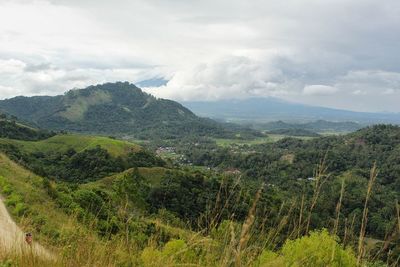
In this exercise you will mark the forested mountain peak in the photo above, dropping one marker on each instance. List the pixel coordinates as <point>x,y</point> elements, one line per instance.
<point>118,108</point>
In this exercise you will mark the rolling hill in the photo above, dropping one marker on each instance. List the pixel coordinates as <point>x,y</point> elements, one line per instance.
<point>120,109</point>
<point>147,214</point>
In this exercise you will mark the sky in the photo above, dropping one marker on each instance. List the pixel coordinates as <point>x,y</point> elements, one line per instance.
<point>334,53</point>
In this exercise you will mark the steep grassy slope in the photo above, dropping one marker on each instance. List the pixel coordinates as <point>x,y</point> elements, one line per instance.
<point>25,196</point>
<point>58,221</point>
<point>112,108</point>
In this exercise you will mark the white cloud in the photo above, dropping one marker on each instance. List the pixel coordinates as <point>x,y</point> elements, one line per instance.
<point>227,77</point>
<point>318,89</point>
<point>359,92</point>
<point>389,91</point>
<point>207,49</point>
<point>11,66</point>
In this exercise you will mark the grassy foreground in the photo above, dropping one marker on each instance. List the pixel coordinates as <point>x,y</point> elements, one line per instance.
<point>167,243</point>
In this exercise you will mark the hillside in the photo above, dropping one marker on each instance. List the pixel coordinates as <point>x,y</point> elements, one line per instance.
<point>78,158</point>
<point>11,128</point>
<point>272,109</point>
<point>147,213</point>
<point>120,109</point>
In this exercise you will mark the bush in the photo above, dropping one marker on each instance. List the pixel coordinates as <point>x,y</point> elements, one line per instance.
<point>318,249</point>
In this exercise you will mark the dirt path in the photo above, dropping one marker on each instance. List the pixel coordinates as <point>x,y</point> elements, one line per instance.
<point>12,238</point>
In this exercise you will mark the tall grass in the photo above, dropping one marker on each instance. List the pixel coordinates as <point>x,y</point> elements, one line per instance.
<point>372,178</point>
<point>218,243</point>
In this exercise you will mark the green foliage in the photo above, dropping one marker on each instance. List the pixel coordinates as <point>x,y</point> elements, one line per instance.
<point>314,126</point>
<point>318,249</point>
<point>294,132</point>
<point>117,109</point>
<point>14,130</point>
<point>132,187</point>
<point>86,165</point>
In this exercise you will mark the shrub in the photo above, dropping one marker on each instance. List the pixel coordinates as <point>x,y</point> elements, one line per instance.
<point>318,249</point>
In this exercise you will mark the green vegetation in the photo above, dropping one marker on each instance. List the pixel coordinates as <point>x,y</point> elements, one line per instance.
<point>270,138</point>
<point>98,201</point>
<point>10,128</point>
<point>294,132</point>
<point>78,158</point>
<point>63,142</point>
<point>119,109</point>
<point>319,126</point>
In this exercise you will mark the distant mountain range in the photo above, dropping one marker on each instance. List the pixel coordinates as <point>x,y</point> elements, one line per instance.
<point>114,109</point>
<point>272,109</point>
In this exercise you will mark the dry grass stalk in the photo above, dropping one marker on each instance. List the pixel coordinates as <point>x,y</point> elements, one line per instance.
<point>245,233</point>
<point>321,177</point>
<point>219,208</point>
<point>300,216</point>
<point>398,215</point>
<point>338,207</point>
<point>372,178</point>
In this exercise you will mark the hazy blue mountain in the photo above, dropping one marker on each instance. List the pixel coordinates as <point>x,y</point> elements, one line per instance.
<point>272,109</point>
<point>153,82</point>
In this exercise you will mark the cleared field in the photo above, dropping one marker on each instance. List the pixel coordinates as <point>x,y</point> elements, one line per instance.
<point>271,138</point>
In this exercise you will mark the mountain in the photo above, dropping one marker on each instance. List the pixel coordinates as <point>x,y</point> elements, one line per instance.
<point>120,109</point>
<point>272,109</point>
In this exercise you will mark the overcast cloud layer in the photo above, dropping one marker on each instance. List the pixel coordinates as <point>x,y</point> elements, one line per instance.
<point>335,53</point>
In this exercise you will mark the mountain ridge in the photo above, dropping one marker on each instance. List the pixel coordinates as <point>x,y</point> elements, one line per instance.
<point>117,108</point>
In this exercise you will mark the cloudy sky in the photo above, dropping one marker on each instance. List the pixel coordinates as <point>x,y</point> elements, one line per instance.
<point>335,53</point>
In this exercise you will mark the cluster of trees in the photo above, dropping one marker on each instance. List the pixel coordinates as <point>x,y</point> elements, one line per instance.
<point>289,166</point>
<point>87,165</point>
<point>10,128</point>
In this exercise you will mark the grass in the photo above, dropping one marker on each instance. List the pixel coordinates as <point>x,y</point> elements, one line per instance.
<point>227,244</point>
<point>61,143</point>
<point>23,188</point>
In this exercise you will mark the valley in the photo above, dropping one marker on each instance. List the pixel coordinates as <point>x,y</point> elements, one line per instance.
<point>218,197</point>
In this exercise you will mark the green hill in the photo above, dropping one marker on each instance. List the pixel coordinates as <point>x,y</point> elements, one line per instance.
<point>113,108</point>
<point>62,143</point>
<point>11,128</point>
<point>77,157</point>
<point>144,213</point>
